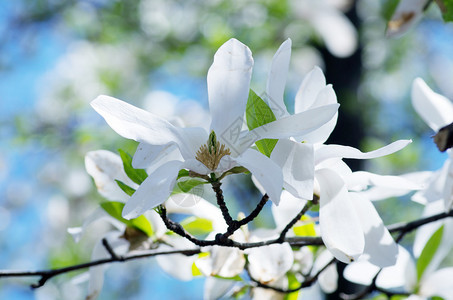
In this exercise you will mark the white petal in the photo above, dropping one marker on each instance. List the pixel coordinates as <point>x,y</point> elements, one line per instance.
<point>229,84</point>
<point>266,172</point>
<point>297,163</point>
<point>361,180</point>
<point>153,191</point>
<point>296,125</point>
<point>380,248</point>
<point>269,263</point>
<point>340,226</point>
<point>401,275</point>
<point>105,166</point>
<point>142,126</point>
<point>328,279</point>
<point>337,31</point>
<point>176,265</point>
<point>287,209</point>
<point>308,91</point>
<point>433,108</point>
<point>276,80</point>
<point>215,288</point>
<point>438,284</point>
<point>222,261</point>
<point>330,151</point>
<point>361,272</point>
<point>147,155</point>
<point>406,14</point>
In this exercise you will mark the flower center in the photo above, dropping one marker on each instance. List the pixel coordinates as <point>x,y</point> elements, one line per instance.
<point>212,152</point>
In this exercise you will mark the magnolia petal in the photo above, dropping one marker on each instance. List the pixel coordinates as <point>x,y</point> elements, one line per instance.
<point>406,14</point>
<point>331,151</point>
<point>447,192</point>
<point>228,84</point>
<point>361,180</point>
<point>435,109</point>
<point>276,80</point>
<point>297,163</point>
<point>361,272</point>
<point>267,264</point>
<point>215,288</point>
<point>328,279</point>
<point>438,284</point>
<point>295,125</point>
<point>308,91</point>
<point>176,265</point>
<point>380,248</point>
<point>105,166</point>
<point>266,172</point>
<point>137,124</point>
<point>153,191</point>
<point>222,261</point>
<point>287,209</point>
<point>326,96</point>
<point>401,275</point>
<point>340,226</point>
<point>338,33</point>
<point>147,155</point>
<point>97,215</point>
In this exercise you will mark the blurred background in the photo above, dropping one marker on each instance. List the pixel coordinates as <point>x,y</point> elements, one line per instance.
<point>57,56</point>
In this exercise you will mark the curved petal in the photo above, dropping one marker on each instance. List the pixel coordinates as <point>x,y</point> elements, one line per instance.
<point>287,209</point>
<point>328,279</point>
<point>331,151</point>
<point>297,163</point>
<point>137,124</point>
<point>361,272</point>
<point>215,288</point>
<point>308,91</point>
<point>380,248</point>
<point>147,155</point>
<point>176,265</point>
<point>325,96</point>
<point>433,108</point>
<point>340,226</point>
<point>276,80</point>
<point>296,125</point>
<point>222,261</point>
<point>438,284</point>
<point>267,264</point>
<point>105,166</point>
<point>360,180</point>
<point>266,172</point>
<point>228,84</point>
<point>153,191</point>
<point>401,275</point>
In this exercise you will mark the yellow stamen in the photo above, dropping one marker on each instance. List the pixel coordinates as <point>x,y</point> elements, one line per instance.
<point>212,152</point>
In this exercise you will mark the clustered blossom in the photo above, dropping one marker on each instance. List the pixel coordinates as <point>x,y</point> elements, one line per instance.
<point>297,170</point>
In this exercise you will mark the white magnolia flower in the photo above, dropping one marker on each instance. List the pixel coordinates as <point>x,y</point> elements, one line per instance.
<point>343,221</point>
<point>437,112</point>
<point>228,89</point>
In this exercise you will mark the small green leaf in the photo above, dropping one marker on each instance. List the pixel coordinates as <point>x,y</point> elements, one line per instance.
<point>183,173</point>
<point>257,114</point>
<point>127,189</point>
<point>447,9</point>
<point>197,226</point>
<point>307,229</point>
<point>429,251</point>
<point>114,209</point>
<point>136,175</point>
<point>195,270</point>
<point>186,186</point>
<point>292,284</point>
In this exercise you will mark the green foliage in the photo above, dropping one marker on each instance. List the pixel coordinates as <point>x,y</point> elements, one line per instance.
<point>136,175</point>
<point>183,173</point>
<point>197,226</point>
<point>388,8</point>
<point>258,113</point>
<point>127,189</point>
<point>292,284</point>
<point>447,10</point>
<point>307,229</point>
<point>114,209</point>
<point>185,186</point>
<point>428,252</point>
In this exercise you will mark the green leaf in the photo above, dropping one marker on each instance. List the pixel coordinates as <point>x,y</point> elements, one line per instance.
<point>447,9</point>
<point>186,186</point>
<point>183,173</point>
<point>388,9</point>
<point>292,284</point>
<point>429,251</point>
<point>307,229</point>
<point>136,175</point>
<point>195,270</point>
<point>127,189</point>
<point>197,226</point>
<point>114,209</point>
<point>257,114</point>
